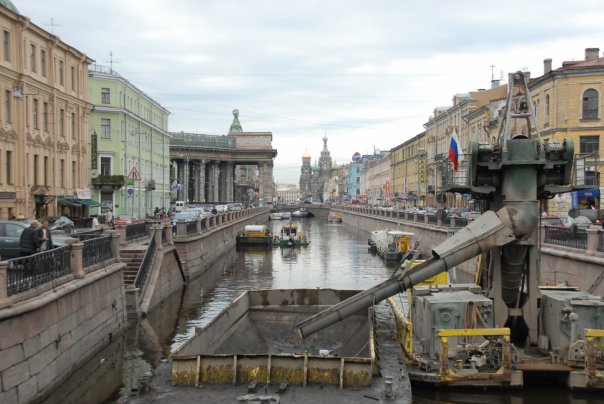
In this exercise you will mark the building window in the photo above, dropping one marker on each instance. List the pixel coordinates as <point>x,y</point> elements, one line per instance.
<point>590,104</point>
<point>45,117</point>
<point>105,165</point>
<point>73,126</point>
<point>547,109</point>
<point>43,62</point>
<point>105,128</point>
<point>9,165</point>
<point>62,173</point>
<point>45,170</point>
<point>7,112</point>
<point>61,73</point>
<point>105,96</point>
<point>6,46</point>
<point>74,180</point>
<point>32,57</point>
<point>73,78</point>
<point>35,113</point>
<point>62,122</point>
<point>589,145</point>
<point>36,169</point>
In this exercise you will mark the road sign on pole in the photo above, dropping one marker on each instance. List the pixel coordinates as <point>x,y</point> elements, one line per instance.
<point>134,174</point>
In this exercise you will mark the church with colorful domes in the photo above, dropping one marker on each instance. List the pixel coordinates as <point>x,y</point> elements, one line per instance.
<point>313,178</point>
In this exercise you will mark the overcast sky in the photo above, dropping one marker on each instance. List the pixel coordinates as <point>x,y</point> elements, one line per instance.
<point>367,74</point>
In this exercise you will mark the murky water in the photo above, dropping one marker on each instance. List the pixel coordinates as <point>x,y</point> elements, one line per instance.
<point>336,258</point>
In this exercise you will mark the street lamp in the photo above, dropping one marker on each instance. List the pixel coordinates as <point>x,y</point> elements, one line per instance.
<point>422,153</point>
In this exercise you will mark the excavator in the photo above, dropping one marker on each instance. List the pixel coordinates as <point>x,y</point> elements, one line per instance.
<point>521,327</point>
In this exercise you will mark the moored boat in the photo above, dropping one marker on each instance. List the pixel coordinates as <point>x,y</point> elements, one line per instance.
<point>291,236</point>
<point>286,215</point>
<point>391,245</point>
<point>335,218</point>
<point>276,216</point>
<point>302,212</point>
<point>255,235</point>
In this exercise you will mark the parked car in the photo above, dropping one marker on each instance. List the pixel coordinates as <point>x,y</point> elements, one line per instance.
<point>58,223</point>
<point>10,234</point>
<point>551,220</point>
<point>235,207</point>
<point>221,208</point>
<point>582,222</point>
<point>125,219</point>
<point>186,216</point>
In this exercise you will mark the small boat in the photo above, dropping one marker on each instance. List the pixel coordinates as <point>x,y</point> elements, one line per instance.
<point>391,245</point>
<point>275,216</point>
<point>290,236</point>
<point>255,235</point>
<point>286,215</point>
<point>334,219</point>
<point>302,212</point>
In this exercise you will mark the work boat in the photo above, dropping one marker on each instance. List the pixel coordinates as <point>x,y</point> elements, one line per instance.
<point>276,216</point>
<point>505,327</point>
<point>391,245</point>
<point>254,235</point>
<point>302,212</point>
<point>291,236</point>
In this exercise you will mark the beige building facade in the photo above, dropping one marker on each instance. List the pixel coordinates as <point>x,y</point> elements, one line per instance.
<point>43,120</point>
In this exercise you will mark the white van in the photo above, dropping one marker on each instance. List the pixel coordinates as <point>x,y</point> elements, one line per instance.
<point>179,206</point>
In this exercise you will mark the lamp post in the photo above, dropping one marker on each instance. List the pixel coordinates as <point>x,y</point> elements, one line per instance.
<point>421,157</point>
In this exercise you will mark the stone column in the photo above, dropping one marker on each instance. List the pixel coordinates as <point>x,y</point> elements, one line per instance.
<point>228,180</point>
<point>201,180</point>
<point>168,230</point>
<point>5,301</point>
<point>115,244</point>
<point>265,187</point>
<point>76,263</point>
<point>158,231</point>
<point>180,173</point>
<point>592,240</point>
<point>213,182</point>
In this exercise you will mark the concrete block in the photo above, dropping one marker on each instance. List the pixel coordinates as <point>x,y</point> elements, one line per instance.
<point>32,346</point>
<point>47,376</point>
<point>28,390</point>
<point>40,360</point>
<point>15,375</point>
<point>68,323</point>
<point>49,335</point>
<point>65,305</point>
<point>10,396</point>
<point>11,332</point>
<point>11,356</point>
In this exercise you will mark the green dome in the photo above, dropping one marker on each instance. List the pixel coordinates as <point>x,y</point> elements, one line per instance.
<point>9,4</point>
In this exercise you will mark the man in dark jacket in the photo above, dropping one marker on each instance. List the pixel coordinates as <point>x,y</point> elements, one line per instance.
<point>45,237</point>
<point>29,242</point>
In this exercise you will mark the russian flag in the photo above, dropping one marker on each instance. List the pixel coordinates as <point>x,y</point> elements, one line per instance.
<point>454,150</point>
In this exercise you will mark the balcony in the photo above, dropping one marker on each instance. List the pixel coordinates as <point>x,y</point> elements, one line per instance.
<point>150,185</point>
<point>109,182</point>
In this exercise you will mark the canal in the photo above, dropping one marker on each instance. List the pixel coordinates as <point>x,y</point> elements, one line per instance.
<point>336,258</point>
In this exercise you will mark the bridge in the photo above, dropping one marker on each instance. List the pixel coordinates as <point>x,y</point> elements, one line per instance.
<point>321,211</point>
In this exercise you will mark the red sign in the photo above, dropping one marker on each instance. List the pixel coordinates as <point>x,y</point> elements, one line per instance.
<point>388,188</point>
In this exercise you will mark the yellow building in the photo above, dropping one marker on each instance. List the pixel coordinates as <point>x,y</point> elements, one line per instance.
<point>409,165</point>
<point>569,102</point>
<point>43,120</point>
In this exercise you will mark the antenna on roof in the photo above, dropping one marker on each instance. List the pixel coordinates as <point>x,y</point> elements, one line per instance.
<point>492,72</point>
<point>53,25</point>
<point>111,61</point>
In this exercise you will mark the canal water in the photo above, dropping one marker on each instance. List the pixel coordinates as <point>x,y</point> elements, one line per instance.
<point>337,257</point>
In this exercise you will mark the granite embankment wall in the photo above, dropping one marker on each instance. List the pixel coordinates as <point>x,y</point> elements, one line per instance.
<point>44,339</point>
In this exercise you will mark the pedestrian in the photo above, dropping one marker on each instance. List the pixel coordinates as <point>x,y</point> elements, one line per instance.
<point>95,222</point>
<point>29,242</point>
<point>45,236</point>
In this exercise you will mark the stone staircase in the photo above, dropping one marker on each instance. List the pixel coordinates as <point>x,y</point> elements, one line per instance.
<point>133,257</point>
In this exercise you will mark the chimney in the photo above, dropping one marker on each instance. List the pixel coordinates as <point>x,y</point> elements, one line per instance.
<point>592,53</point>
<point>547,65</point>
<point>494,83</point>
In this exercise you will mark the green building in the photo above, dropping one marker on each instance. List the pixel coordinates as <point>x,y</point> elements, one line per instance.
<point>129,147</point>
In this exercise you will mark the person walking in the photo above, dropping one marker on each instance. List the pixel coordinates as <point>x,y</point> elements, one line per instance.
<point>95,222</point>
<point>45,236</point>
<point>29,243</point>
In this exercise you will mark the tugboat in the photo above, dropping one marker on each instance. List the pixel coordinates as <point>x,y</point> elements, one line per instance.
<point>290,236</point>
<point>335,218</point>
<point>391,245</point>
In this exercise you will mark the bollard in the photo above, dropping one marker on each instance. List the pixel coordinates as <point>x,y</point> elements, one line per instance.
<point>388,387</point>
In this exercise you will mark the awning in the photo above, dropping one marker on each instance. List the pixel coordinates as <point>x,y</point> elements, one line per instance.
<point>591,193</point>
<point>88,202</point>
<point>61,200</point>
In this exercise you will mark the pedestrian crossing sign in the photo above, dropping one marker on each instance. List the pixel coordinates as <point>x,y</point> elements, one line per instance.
<point>134,175</point>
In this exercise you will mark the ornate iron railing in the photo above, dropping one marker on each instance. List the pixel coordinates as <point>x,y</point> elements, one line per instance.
<point>567,237</point>
<point>143,271</point>
<point>192,227</point>
<point>28,272</point>
<point>461,221</point>
<point>137,230</point>
<point>96,250</point>
<point>432,219</point>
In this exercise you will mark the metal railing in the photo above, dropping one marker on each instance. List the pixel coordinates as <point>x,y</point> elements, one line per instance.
<point>192,227</point>
<point>137,230</point>
<point>28,272</point>
<point>566,236</point>
<point>96,250</point>
<point>461,221</point>
<point>143,271</point>
<point>87,235</point>
<point>432,219</point>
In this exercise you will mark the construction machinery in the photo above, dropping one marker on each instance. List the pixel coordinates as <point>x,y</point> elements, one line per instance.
<point>493,335</point>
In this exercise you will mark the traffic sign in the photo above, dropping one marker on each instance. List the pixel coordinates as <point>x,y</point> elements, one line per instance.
<point>134,174</point>
<point>130,192</point>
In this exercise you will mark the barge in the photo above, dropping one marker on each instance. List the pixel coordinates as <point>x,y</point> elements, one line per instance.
<point>254,235</point>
